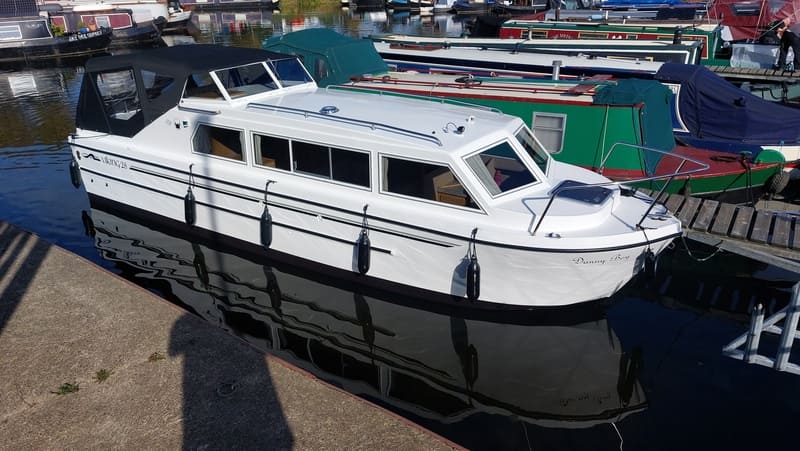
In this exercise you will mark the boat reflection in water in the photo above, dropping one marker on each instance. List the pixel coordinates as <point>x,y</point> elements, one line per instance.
<point>435,367</point>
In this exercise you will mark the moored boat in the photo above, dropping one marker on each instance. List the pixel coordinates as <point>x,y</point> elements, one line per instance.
<point>711,112</point>
<point>446,200</point>
<point>489,62</point>
<point>655,50</point>
<point>27,37</point>
<point>715,50</point>
<point>126,32</point>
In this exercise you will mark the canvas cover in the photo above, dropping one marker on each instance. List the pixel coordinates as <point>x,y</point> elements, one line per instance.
<point>656,111</point>
<point>175,63</point>
<point>330,57</point>
<point>749,19</point>
<point>714,109</point>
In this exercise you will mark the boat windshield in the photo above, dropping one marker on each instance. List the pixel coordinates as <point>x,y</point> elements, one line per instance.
<point>500,169</point>
<point>252,79</point>
<point>534,148</point>
<point>246,80</point>
<point>290,72</point>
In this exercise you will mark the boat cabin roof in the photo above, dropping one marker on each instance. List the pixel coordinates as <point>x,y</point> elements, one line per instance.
<point>114,87</point>
<point>183,60</point>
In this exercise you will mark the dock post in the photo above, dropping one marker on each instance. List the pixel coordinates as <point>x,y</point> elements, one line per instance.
<point>754,335</point>
<point>789,332</point>
<point>745,347</point>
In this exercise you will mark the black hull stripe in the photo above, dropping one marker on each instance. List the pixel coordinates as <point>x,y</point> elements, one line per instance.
<point>389,221</point>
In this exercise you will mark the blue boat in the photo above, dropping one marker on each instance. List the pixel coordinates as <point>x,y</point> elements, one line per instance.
<point>712,113</point>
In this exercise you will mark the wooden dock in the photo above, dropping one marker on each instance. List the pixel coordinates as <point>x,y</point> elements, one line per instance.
<point>766,235</point>
<point>740,74</point>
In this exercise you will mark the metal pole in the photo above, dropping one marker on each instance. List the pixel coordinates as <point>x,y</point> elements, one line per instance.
<point>789,329</point>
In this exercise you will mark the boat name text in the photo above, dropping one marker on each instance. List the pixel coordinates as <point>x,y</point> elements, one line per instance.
<point>600,261</point>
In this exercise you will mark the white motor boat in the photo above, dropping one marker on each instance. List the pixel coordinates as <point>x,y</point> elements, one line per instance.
<point>406,194</point>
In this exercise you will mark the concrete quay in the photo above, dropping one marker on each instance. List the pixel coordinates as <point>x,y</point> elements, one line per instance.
<point>89,361</point>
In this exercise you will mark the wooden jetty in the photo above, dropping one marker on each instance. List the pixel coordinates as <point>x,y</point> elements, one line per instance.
<point>766,235</point>
<point>770,236</point>
<point>739,74</point>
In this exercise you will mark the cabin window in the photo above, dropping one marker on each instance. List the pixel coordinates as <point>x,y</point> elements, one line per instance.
<point>156,84</point>
<point>220,142</point>
<point>290,72</point>
<point>35,29</point>
<point>9,32</point>
<point>246,80</point>
<point>320,69</point>
<point>119,95</point>
<point>549,129</point>
<point>100,21</point>
<point>428,181</point>
<point>271,152</point>
<point>533,148</point>
<point>201,85</point>
<point>500,169</point>
<point>346,166</point>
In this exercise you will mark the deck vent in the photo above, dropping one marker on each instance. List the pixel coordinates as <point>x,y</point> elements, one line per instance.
<point>330,109</point>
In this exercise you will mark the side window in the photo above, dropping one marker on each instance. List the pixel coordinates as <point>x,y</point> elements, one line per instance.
<point>290,72</point>
<point>311,159</point>
<point>201,85</point>
<point>342,165</point>
<point>221,142</point>
<point>424,181</point>
<point>156,84</point>
<point>500,169</point>
<point>549,129</point>
<point>118,93</point>
<point>271,152</point>
<point>350,167</point>
<point>8,32</point>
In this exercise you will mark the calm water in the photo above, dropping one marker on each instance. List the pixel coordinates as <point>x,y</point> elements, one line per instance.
<point>641,371</point>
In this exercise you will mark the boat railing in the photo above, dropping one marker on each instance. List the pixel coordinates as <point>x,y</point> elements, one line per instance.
<point>329,113</point>
<point>678,172</point>
<point>431,98</point>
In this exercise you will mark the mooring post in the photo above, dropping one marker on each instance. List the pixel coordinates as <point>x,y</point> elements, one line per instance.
<point>754,335</point>
<point>789,329</point>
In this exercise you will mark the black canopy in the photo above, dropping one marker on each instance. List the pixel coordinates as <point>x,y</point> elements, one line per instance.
<point>174,64</point>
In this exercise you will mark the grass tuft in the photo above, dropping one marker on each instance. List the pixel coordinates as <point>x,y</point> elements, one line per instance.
<point>67,388</point>
<point>102,375</point>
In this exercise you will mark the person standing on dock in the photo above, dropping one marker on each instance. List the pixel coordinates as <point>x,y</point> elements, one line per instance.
<point>790,37</point>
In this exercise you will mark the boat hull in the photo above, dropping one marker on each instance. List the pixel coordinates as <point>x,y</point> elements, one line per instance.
<point>72,46</point>
<point>403,256</point>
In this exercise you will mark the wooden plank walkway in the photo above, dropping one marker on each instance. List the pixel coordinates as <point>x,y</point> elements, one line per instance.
<point>755,74</point>
<point>771,236</point>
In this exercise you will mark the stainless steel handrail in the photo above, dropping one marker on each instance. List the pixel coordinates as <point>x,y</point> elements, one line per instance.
<point>348,120</point>
<point>678,172</point>
<point>404,95</point>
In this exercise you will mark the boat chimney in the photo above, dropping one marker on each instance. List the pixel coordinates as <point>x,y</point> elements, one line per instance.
<point>556,69</point>
<point>676,38</point>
